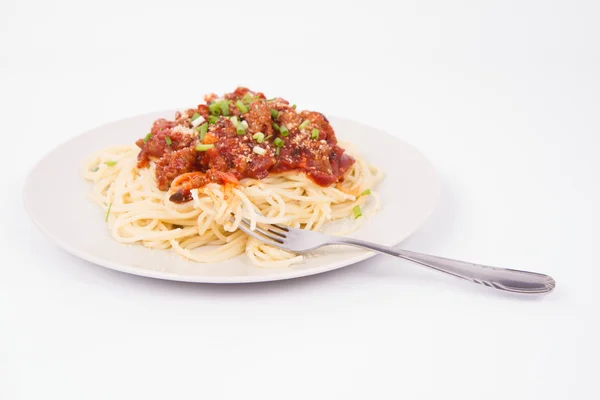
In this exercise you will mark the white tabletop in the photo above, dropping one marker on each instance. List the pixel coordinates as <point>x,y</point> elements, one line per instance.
<point>502,96</point>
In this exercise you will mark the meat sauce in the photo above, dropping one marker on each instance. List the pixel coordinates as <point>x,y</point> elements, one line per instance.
<point>241,135</point>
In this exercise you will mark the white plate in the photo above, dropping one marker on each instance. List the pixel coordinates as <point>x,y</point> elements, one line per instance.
<point>56,199</point>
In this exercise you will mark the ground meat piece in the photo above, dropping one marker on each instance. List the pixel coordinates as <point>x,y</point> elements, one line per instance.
<point>210,97</point>
<point>154,145</point>
<point>185,118</point>
<point>223,128</point>
<point>230,155</point>
<point>260,165</point>
<point>161,125</point>
<point>174,164</point>
<point>279,104</point>
<point>238,94</point>
<point>339,161</point>
<point>203,111</point>
<point>318,121</point>
<point>259,118</point>
<point>157,145</point>
<point>180,139</point>
<point>290,118</point>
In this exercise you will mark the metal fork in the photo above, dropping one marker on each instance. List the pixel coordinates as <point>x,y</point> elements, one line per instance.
<point>300,241</point>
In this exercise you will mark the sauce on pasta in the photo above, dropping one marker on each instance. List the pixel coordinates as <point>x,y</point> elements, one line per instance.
<point>241,135</point>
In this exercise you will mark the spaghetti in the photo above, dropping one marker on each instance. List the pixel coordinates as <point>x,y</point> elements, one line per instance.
<point>198,211</point>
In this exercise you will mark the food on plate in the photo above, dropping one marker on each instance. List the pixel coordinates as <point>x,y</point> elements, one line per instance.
<point>187,183</point>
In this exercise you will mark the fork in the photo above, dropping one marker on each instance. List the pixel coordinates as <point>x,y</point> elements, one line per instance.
<point>300,241</point>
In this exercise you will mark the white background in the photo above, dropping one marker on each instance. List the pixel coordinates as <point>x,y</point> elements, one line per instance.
<point>502,96</point>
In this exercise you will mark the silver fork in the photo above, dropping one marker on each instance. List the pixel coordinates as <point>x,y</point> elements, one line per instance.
<point>300,241</point>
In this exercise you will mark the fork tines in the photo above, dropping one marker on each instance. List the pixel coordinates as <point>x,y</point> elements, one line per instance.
<point>265,232</point>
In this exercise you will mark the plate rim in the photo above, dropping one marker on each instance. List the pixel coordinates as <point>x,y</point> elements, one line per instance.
<point>216,279</point>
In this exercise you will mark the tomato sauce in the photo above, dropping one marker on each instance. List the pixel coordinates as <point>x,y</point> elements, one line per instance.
<point>245,136</point>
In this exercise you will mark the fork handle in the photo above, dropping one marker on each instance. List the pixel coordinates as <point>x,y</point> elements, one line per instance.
<point>509,280</point>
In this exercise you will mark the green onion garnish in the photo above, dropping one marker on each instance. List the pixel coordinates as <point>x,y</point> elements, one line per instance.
<point>214,108</point>
<point>259,137</point>
<point>294,106</point>
<point>247,98</point>
<point>148,136</point>
<point>212,119</point>
<point>111,163</point>
<point>366,192</point>
<point>225,107</point>
<point>204,147</point>
<point>276,127</point>
<point>95,169</point>
<point>195,116</point>
<point>304,124</point>
<point>274,113</point>
<point>278,142</point>
<point>108,212</point>
<point>168,140</point>
<point>314,134</point>
<point>203,129</point>
<point>240,126</point>
<point>241,106</point>
<point>284,130</point>
<point>356,211</point>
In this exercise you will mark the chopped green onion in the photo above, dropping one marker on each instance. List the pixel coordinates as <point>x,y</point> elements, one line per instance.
<point>240,126</point>
<point>195,116</point>
<point>356,211</point>
<point>241,106</point>
<point>214,108</point>
<point>225,107</point>
<point>366,192</point>
<point>168,140</point>
<point>259,150</point>
<point>204,147</point>
<point>203,129</point>
<point>111,163</point>
<point>274,113</point>
<point>95,169</point>
<point>212,119</point>
<point>247,98</point>
<point>148,136</point>
<point>304,124</point>
<point>294,106</point>
<point>108,212</point>
<point>314,134</point>
<point>278,143</point>
<point>284,130</point>
<point>259,137</point>
<point>276,127</point>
